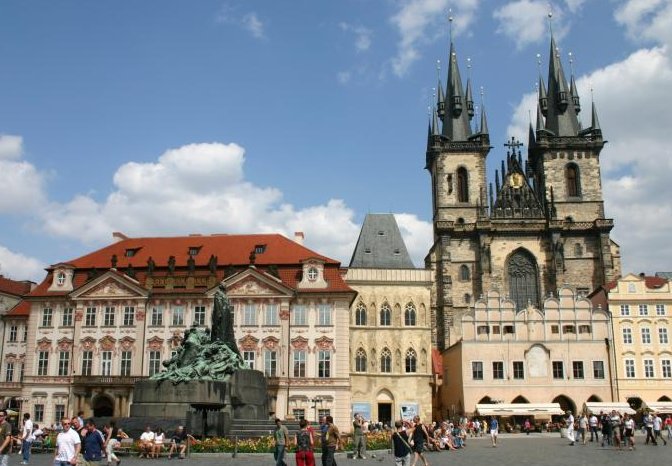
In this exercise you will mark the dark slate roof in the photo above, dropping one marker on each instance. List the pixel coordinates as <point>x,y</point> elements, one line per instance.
<point>667,275</point>
<point>380,245</point>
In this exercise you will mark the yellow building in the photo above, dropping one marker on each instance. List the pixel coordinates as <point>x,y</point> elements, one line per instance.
<point>640,307</point>
<point>390,327</point>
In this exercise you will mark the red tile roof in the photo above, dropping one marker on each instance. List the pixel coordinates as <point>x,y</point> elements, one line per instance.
<point>14,287</point>
<point>232,252</point>
<point>21,309</point>
<point>651,282</point>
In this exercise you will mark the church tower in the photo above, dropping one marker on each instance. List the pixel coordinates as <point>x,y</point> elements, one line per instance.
<point>539,227</point>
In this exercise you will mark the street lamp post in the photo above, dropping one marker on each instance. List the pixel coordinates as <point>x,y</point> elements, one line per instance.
<point>315,401</point>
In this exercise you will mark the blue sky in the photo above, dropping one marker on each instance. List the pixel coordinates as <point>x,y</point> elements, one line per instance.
<point>177,117</point>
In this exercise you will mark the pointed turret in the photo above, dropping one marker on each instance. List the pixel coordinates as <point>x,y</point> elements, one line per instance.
<point>435,123</point>
<point>456,121</point>
<point>470,100</point>
<point>531,140</point>
<point>484,121</point>
<point>440,101</point>
<point>543,98</point>
<point>561,117</point>
<point>540,119</point>
<point>595,122</point>
<point>575,95</point>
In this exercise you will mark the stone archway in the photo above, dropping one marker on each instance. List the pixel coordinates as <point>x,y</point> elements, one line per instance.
<point>566,403</point>
<point>520,399</point>
<point>594,399</point>
<point>664,398</point>
<point>103,406</point>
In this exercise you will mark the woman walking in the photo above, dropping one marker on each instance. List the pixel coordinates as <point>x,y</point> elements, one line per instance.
<point>419,437</point>
<point>303,440</point>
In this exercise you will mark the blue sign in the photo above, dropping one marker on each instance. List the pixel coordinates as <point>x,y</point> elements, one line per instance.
<point>362,408</point>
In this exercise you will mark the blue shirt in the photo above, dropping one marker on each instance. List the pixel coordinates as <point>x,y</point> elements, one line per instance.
<point>92,444</point>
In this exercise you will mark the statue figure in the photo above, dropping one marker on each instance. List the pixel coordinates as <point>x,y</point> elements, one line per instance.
<point>203,355</point>
<point>150,266</point>
<point>212,264</point>
<point>171,264</point>
<point>114,261</point>
<point>191,264</point>
<point>222,320</point>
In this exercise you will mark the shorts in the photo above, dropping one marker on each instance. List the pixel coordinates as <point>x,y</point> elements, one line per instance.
<point>494,432</point>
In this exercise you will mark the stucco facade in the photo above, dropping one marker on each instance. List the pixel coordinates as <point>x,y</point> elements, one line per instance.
<point>554,354</point>
<point>640,307</point>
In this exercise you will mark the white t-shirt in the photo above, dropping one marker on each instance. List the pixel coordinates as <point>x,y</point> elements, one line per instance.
<point>657,423</point>
<point>28,431</point>
<point>65,442</point>
<point>158,438</point>
<point>593,421</point>
<point>147,437</point>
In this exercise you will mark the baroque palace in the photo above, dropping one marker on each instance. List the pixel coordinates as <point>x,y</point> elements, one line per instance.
<point>520,304</point>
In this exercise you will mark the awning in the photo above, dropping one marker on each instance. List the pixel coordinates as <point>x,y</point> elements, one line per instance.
<point>663,407</point>
<point>607,407</point>
<point>542,410</point>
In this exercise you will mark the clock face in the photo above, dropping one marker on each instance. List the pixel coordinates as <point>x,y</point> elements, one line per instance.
<point>516,180</point>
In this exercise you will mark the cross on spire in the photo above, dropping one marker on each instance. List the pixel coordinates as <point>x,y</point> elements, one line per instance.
<point>513,144</point>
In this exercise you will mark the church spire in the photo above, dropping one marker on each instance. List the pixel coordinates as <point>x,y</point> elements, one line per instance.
<point>456,120</point>
<point>441,99</point>
<point>595,123</point>
<point>561,118</point>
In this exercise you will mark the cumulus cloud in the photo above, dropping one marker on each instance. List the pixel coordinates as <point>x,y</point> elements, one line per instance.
<point>637,161</point>
<point>344,77</point>
<point>22,187</point>
<point>526,21</point>
<point>418,236</point>
<point>18,266</point>
<point>422,21</point>
<point>254,25</point>
<point>362,35</point>
<point>650,19</point>
<point>201,188</point>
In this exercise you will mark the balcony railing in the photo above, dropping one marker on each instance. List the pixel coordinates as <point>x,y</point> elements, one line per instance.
<point>106,380</point>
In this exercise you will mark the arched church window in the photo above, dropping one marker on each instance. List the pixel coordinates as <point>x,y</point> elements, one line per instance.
<point>573,180</point>
<point>411,361</point>
<point>465,274</point>
<point>360,314</point>
<point>409,315</point>
<point>360,360</point>
<point>386,360</point>
<point>523,279</point>
<point>462,185</point>
<point>385,315</point>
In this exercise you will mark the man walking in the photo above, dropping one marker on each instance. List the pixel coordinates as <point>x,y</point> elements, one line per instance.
<point>592,422</point>
<point>333,441</point>
<point>658,427</point>
<point>281,436</point>
<point>68,446</point>
<point>5,438</point>
<point>648,424</point>
<point>26,438</point>
<point>402,449</point>
<point>92,444</point>
<point>323,439</point>
<point>494,430</point>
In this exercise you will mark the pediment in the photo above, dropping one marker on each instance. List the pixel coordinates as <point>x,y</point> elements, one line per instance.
<point>110,285</point>
<point>252,283</point>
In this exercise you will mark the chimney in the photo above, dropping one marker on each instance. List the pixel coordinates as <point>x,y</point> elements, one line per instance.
<point>118,236</point>
<point>299,237</point>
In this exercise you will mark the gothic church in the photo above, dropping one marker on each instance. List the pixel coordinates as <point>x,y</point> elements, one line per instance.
<point>540,227</point>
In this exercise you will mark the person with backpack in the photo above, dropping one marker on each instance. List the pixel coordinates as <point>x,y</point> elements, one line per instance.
<point>303,440</point>
<point>401,447</point>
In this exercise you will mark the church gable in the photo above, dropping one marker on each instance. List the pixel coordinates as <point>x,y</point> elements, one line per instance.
<point>253,283</point>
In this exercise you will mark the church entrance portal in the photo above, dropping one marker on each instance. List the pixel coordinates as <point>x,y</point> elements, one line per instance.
<point>385,413</point>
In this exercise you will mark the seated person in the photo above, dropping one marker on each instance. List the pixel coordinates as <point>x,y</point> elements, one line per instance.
<point>159,437</point>
<point>178,442</point>
<point>146,443</point>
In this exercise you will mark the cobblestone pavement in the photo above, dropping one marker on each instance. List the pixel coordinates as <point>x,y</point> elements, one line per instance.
<point>516,450</point>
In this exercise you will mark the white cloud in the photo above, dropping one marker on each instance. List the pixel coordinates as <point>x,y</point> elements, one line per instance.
<point>423,21</point>
<point>250,21</point>
<point>418,236</point>
<point>11,147</point>
<point>362,36</point>
<point>647,19</point>
<point>344,77</point>
<point>526,21</point>
<point>18,266</point>
<point>574,5</point>
<point>22,187</point>
<point>635,118</point>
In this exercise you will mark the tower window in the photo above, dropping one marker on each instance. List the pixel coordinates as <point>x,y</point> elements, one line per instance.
<point>465,275</point>
<point>523,279</point>
<point>462,185</point>
<point>573,180</point>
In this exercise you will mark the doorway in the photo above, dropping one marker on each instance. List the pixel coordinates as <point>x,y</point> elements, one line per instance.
<point>385,413</point>
<point>103,406</point>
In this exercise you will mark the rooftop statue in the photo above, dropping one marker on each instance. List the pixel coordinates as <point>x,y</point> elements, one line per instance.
<point>206,355</point>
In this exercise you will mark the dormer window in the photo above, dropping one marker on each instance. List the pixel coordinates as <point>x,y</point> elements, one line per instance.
<point>260,249</point>
<point>131,252</point>
<point>60,278</point>
<point>194,250</point>
<point>381,233</point>
<point>313,274</point>
<point>367,251</point>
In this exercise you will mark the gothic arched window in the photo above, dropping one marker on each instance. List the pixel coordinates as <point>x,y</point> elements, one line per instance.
<point>360,314</point>
<point>523,279</point>
<point>360,360</point>
<point>462,185</point>
<point>573,180</point>
<point>385,315</point>
<point>409,315</point>
<point>411,361</point>
<point>385,360</point>
<point>465,275</point>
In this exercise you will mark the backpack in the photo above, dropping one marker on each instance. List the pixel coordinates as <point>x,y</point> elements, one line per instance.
<point>303,440</point>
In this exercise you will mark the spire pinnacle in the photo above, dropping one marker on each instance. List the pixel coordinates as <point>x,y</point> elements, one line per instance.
<point>470,99</point>
<point>573,92</point>
<point>440,99</point>
<point>561,114</point>
<point>484,118</point>
<point>455,121</point>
